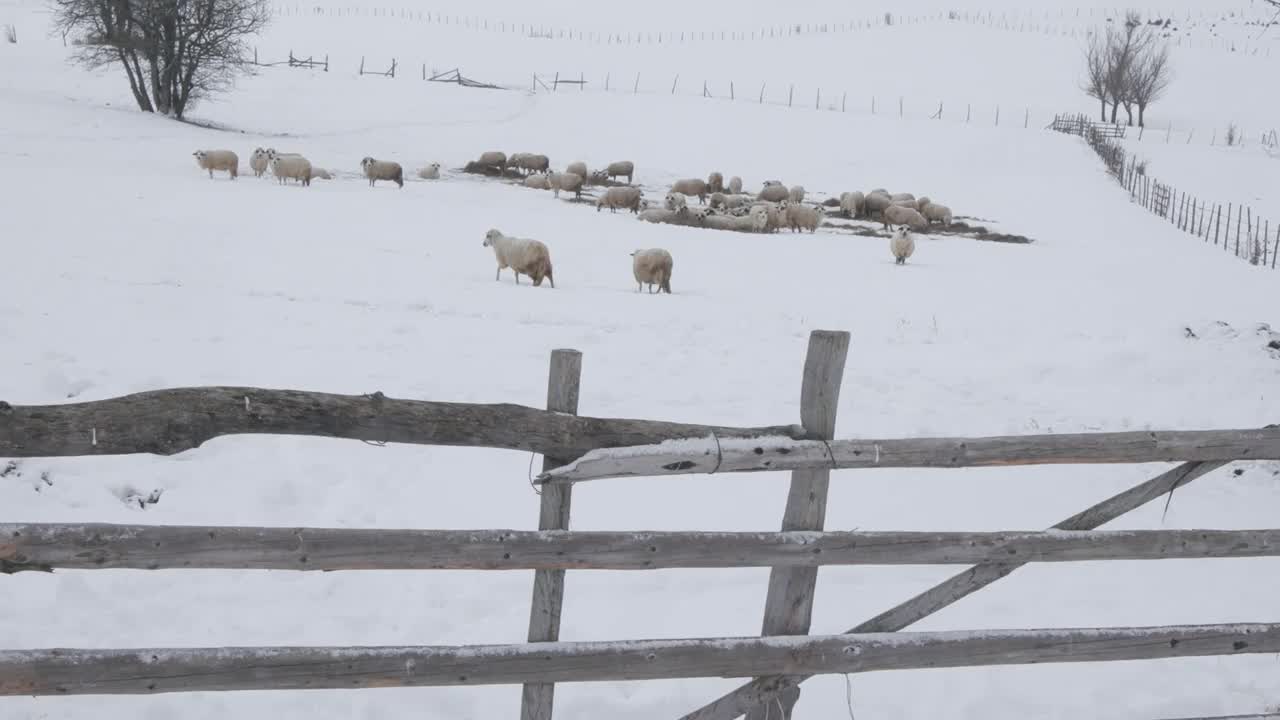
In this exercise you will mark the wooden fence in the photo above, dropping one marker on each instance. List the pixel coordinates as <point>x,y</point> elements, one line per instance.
<point>579,448</point>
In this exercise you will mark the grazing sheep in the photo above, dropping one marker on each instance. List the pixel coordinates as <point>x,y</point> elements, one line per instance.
<point>619,169</point>
<point>715,182</point>
<point>620,197</point>
<point>258,162</point>
<point>851,204</point>
<point>691,187</point>
<point>802,216</point>
<point>538,182</point>
<point>875,202</point>
<point>903,196</point>
<point>218,160</point>
<point>902,244</point>
<point>522,255</point>
<point>899,215</point>
<point>296,167</point>
<point>933,212</point>
<point>566,181</point>
<point>531,163</point>
<point>377,170</point>
<point>676,202</point>
<point>796,194</point>
<point>514,160</point>
<point>493,160</point>
<point>735,185</point>
<point>922,202</point>
<point>652,267</point>
<point>430,172</point>
<point>773,191</point>
<point>320,174</point>
<point>578,168</point>
<point>738,223</point>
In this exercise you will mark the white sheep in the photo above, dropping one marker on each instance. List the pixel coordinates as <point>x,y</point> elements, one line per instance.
<point>652,267</point>
<point>922,202</point>
<point>377,170</point>
<point>875,202</point>
<point>691,187</point>
<point>715,182</point>
<point>430,172</point>
<point>258,162</point>
<point>538,182</point>
<point>933,212</point>
<point>899,215</point>
<point>578,168</point>
<point>218,160</point>
<point>773,191</point>
<point>902,244</point>
<point>775,216</point>
<point>656,215</point>
<point>738,223</point>
<point>735,185</point>
<point>295,167</point>
<point>566,181</point>
<point>796,194</point>
<point>494,160</point>
<point>903,196</point>
<point>620,197</point>
<point>530,162</point>
<point>676,202</point>
<point>802,217</point>
<point>851,204</point>
<point>619,169</point>
<point>522,255</point>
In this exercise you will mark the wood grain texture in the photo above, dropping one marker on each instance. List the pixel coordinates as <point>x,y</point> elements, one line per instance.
<point>166,422</point>
<point>563,382</point>
<point>165,670</point>
<point>763,690</point>
<point>772,455</point>
<point>44,547</point>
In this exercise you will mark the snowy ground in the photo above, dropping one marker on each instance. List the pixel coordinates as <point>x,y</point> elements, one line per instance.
<point>131,270</point>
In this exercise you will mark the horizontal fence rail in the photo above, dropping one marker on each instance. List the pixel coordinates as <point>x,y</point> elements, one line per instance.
<point>713,455</point>
<point>166,422</point>
<point>149,671</point>
<point>46,547</point>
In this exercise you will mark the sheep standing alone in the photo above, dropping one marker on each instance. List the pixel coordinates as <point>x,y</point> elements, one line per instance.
<point>566,181</point>
<point>774,192</point>
<point>933,212</point>
<point>430,172</point>
<point>652,267</point>
<point>735,185</point>
<point>377,170</point>
<point>218,160</point>
<point>715,182</point>
<point>258,162</point>
<point>691,187</point>
<point>902,245</point>
<point>796,194</point>
<point>296,167</point>
<point>522,255</point>
<point>900,215</point>
<point>620,197</point>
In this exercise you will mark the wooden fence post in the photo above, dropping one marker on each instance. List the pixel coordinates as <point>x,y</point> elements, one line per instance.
<point>548,585</point>
<point>1276,251</point>
<point>789,605</point>
<point>636,88</point>
<point>791,95</point>
<point>673,83</point>
<point>1217,223</point>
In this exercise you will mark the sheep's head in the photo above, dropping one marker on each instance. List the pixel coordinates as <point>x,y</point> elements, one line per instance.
<point>491,237</point>
<point>200,155</point>
<point>434,166</point>
<point>366,162</point>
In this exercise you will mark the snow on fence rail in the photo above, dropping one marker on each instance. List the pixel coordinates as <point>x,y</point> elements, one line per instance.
<point>171,421</point>
<point>1253,239</point>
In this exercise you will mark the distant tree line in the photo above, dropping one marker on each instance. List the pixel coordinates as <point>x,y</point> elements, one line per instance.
<point>1127,67</point>
<point>172,51</point>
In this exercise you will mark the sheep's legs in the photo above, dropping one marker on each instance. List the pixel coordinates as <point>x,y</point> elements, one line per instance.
<point>498,275</point>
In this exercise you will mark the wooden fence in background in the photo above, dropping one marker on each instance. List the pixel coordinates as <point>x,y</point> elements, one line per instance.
<point>579,448</point>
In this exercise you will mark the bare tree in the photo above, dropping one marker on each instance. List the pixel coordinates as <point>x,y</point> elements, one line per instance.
<point>172,51</point>
<point>1095,73</point>
<point>1122,46</point>
<point>1149,77</point>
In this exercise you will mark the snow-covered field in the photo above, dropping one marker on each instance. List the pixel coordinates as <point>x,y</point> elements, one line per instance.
<point>128,269</point>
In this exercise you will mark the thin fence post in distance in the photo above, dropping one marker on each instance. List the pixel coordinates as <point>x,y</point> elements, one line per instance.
<point>791,94</point>
<point>636,88</point>
<point>673,83</point>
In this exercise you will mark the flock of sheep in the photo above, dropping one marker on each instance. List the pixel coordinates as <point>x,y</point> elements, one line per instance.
<point>726,207</point>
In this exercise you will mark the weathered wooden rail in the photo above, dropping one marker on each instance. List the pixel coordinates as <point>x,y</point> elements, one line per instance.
<point>581,448</point>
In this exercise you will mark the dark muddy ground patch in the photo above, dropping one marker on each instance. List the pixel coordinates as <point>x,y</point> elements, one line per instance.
<point>962,227</point>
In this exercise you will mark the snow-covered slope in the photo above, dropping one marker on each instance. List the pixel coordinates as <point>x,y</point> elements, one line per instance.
<point>129,269</point>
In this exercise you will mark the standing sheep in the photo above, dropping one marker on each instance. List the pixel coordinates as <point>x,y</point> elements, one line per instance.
<point>652,267</point>
<point>494,160</point>
<point>530,257</point>
<point>900,215</point>
<point>802,216</point>
<point>903,196</point>
<point>296,167</point>
<point>531,163</point>
<point>796,194</point>
<point>619,169</point>
<point>691,187</point>
<point>578,168</point>
<point>377,170</point>
<point>922,202</point>
<point>851,204</point>
<point>735,185</point>
<point>933,212</point>
<point>774,215</point>
<point>875,202</point>
<point>566,181</point>
<point>620,197</point>
<point>430,172</point>
<point>774,192</point>
<point>902,245</point>
<point>218,160</point>
<point>258,162</point>
<point>715,182</point>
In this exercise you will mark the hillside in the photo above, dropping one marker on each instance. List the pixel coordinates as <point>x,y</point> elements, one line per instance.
<point>130,270</point>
